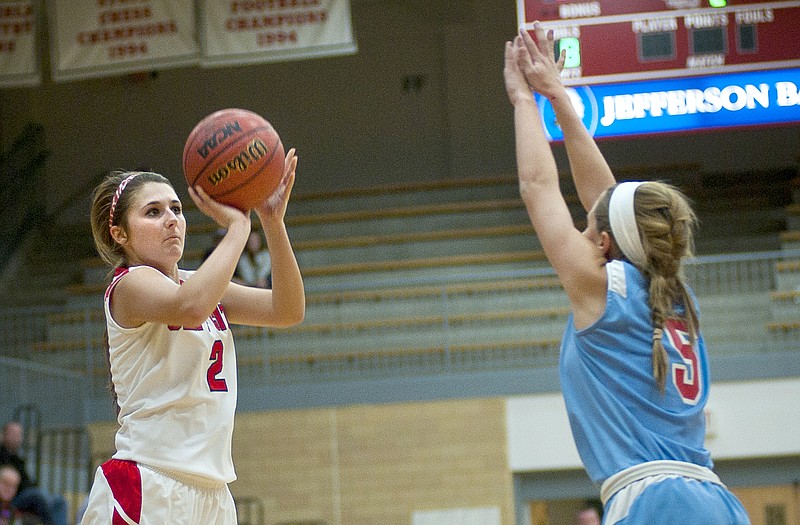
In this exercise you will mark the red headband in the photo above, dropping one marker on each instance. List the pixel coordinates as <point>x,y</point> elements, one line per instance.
<point>117,194</point>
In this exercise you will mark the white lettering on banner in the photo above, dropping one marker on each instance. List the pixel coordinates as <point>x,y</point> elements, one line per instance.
<point>566,32</point>
<point>654,25</point>
<point>754,17</point>
<point>581,10</point>
<point>691,101</point>
<point>699,61</point>
<point>701,21</point>
<point>787,94</point>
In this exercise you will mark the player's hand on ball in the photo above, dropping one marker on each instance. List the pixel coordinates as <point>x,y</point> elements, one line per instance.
<point>222,214</point>
<point>274,207</point>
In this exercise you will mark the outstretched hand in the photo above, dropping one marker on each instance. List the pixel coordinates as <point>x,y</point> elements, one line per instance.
<point>539,66</point>
<point>517,87</point>
<point>274,207</point>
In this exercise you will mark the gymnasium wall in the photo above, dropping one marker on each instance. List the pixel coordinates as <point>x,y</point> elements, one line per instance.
<point>422,99</point>
<point>368,464</point>
<point>387,463</point>
<point>745,419</point>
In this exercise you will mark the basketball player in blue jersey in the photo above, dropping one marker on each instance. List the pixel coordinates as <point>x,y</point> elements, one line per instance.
<point>171,352</point>
<point>633,364</point>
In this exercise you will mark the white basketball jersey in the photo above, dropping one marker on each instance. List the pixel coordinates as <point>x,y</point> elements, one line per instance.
<point>176,389</point>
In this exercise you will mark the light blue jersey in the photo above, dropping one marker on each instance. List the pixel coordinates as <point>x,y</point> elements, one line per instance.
<point>624,426</point>
<point>619,417</point>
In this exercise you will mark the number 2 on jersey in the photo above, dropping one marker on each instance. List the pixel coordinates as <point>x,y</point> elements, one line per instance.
<point>216,384</point>
<point>686,375</point>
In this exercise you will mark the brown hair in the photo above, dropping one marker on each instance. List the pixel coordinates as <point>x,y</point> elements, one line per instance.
<point>666,224</point>
<point>108,249</point>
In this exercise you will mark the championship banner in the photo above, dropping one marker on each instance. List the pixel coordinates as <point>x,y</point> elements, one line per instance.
<point>95,38</point>
<point>18,50</point>
<point>250,31</point>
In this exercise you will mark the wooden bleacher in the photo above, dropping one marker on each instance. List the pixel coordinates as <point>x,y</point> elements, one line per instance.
<point>414,272</point>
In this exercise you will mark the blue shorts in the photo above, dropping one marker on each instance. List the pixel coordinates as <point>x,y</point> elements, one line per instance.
<point>667,500</point>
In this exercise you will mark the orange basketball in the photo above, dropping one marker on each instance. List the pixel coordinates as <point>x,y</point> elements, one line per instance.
<point>236,156</point>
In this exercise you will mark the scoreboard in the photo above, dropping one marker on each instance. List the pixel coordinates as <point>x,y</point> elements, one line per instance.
<point>635,67</point>
<point>619,41</point>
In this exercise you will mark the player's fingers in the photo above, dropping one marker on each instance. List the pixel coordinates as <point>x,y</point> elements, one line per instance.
<point>509,54</point>
<point>288,160</point>
<point>289,178</point>
<point>198,199</point>
<point>561,59</point>
<point>544,42</point>
<point>526,64</point>
<point>548,43</point>
<point>528,43</point>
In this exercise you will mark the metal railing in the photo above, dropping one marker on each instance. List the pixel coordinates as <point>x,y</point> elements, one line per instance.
<point>726,286</point>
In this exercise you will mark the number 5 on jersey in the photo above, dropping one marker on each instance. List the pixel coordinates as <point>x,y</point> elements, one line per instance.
<point>686,375</point>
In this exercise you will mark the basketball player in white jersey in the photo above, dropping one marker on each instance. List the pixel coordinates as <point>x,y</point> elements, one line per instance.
<point>171,351</point>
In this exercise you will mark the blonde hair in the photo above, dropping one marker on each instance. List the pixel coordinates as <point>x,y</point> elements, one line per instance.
<point>108,249</point>
<point>666,224</point>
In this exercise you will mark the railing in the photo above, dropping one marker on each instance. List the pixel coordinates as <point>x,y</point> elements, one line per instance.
<point>727,286</point>
<point>49,403</point>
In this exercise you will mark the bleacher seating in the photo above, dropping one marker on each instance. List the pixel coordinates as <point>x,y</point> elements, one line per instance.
<point>784,321</point>
<point>449,275</point>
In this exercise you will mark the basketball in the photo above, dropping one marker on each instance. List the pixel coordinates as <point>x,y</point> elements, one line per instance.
<point>236,156</point>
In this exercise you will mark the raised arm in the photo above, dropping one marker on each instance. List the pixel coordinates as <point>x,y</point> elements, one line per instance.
<point>589,169</point>
<point>284,304</point>
<point>574,257</point>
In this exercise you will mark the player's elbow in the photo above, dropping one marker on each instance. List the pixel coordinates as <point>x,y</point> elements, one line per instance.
<point>193,315</point>
<point>290,316</point>
<point>293,318</point>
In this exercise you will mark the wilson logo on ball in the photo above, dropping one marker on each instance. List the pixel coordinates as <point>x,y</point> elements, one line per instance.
<point>254,152</point>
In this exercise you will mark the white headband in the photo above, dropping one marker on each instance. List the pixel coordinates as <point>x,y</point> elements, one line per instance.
<point>623,223</point>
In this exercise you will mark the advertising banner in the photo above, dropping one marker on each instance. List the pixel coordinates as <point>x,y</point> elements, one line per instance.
<point>754,98</point>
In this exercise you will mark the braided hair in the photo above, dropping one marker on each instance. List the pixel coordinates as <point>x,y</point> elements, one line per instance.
<point>666,224</point>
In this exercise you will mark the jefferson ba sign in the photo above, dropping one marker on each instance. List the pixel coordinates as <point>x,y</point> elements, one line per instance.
<point>753,98</point>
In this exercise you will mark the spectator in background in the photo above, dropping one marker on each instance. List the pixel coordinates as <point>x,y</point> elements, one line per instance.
<point>10,479</point>
<point>255,264</point>
<point>51,509</point>
<point>590,513</point>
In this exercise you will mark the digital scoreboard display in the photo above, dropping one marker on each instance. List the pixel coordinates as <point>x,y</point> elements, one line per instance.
<point>619,41</point>
<point>665,66</point>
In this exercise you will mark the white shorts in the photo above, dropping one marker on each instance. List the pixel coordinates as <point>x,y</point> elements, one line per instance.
<point>125,493</point>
